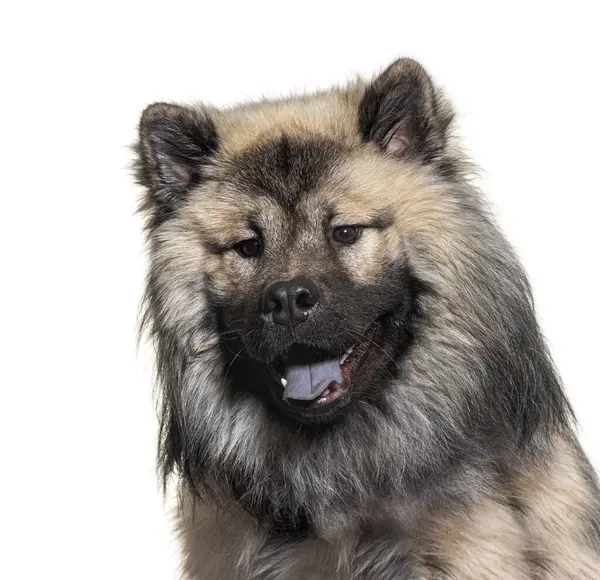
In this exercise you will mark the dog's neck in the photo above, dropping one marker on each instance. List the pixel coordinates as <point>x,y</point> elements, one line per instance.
<point>461,483</point>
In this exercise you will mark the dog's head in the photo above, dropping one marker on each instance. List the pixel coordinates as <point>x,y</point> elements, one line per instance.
<point>325,260</point>
<point>288,221</point>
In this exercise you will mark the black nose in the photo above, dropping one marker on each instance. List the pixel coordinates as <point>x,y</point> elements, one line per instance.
<point>291,301</point>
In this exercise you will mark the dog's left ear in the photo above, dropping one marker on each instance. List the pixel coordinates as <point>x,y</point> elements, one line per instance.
<point>403,113</point>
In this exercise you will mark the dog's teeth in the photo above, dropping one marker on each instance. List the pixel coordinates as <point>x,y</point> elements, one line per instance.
<point>283,382</point>
<point>346,355</point>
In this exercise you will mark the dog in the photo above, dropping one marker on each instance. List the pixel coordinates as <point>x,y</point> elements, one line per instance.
<point>352,381</point>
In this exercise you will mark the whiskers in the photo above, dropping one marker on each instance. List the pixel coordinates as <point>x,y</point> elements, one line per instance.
<point>227,337</point>
<point>237,354</point>
<point>364,339</point>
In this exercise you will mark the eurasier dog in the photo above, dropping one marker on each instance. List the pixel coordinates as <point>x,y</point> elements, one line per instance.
<point>353,383</point>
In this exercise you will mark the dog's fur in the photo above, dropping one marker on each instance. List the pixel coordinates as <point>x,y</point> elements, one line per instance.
<point>455,458</point>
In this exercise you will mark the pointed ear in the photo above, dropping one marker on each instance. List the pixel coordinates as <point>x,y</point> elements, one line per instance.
<point>175,144</point>
<point>403,113</point>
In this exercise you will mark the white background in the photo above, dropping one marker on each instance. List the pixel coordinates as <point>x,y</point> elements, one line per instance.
<point>79,497</point>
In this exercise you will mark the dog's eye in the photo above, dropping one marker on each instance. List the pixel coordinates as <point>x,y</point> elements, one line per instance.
<point>346,234</point>
<point>248,248</point>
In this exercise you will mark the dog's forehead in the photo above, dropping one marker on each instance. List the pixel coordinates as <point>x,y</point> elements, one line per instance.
<point>286,168</point>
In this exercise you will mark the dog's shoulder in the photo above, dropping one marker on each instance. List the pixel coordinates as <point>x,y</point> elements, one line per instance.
<point>542,522</point>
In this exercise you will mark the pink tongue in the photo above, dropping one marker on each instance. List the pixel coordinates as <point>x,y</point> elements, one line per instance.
<point>307,382</point>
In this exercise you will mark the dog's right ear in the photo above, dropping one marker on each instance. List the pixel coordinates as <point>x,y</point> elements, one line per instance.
<point>175,144</point>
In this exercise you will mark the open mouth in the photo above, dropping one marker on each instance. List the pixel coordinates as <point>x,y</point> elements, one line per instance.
<point>314,383</point>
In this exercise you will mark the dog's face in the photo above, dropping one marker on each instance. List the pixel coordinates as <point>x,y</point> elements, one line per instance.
<point>306,274</point>
<point>325,260</point>
<point>288,225</point>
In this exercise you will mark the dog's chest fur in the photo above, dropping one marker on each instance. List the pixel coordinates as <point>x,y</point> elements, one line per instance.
<point>539,527</point>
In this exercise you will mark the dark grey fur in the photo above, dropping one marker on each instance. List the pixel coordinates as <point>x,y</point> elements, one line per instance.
<point>470,392</point>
